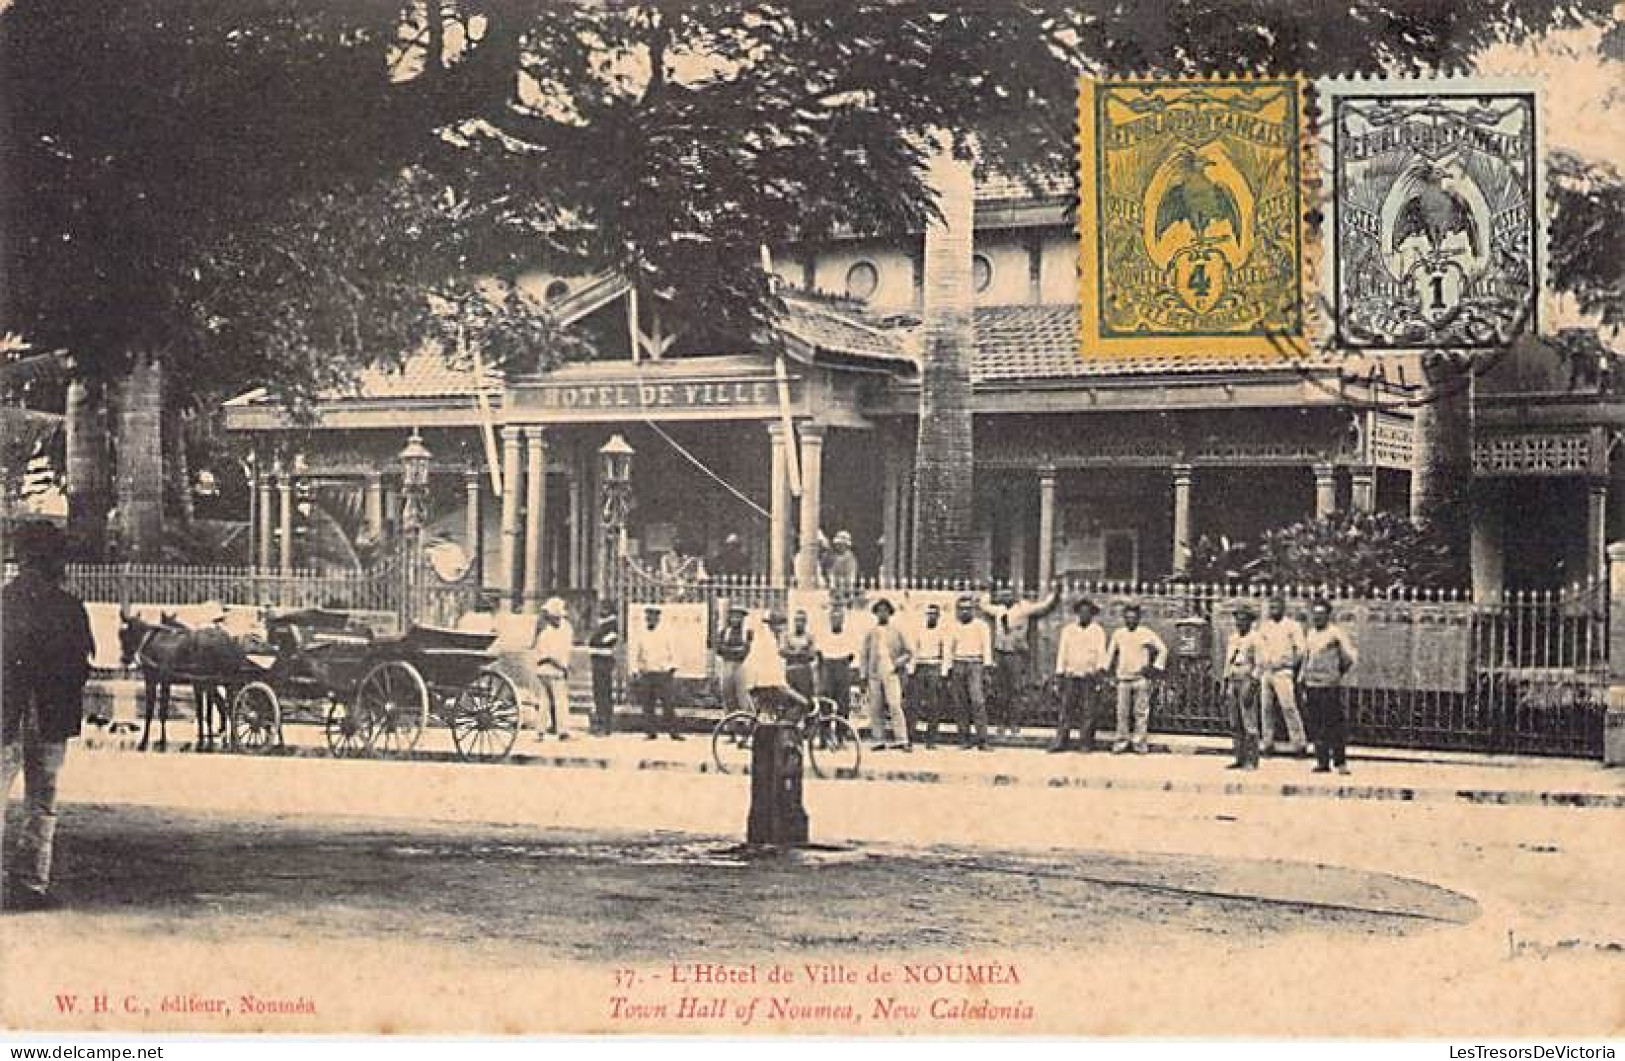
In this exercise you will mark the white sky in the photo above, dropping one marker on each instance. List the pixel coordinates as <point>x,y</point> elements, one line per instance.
<point>1582,94</point>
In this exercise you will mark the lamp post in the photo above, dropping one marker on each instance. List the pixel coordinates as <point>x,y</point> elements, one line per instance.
<point>414,458</point>
<point>615,467</point>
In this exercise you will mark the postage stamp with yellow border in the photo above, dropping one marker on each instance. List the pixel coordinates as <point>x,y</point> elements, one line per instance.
<point>1190,216</point>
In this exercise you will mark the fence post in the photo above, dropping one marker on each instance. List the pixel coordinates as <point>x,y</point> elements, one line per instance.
<point>1613,726</point>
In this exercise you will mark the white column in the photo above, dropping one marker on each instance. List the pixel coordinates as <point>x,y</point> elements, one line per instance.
<point>284,489</point>
<point>374,505</point>
<point>1363,481</point>
<point>779,507</point>
<point>1182,518</point>
<point>1597,528</point>
<point>471,522</point>
<point>577,567</point>
<point>1325,490</point>
<point>812,501</point>
<point>535,500</point>
<point>266,522</point>
<point>1046,525</point>
<point>512,480</point>
<point>891,525</point>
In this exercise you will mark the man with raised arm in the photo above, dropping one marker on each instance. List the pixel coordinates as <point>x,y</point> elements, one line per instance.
<point>1012,623</point>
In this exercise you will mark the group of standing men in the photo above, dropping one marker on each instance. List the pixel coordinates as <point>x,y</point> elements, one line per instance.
<point>976,662</point>
<point>1263,670</point>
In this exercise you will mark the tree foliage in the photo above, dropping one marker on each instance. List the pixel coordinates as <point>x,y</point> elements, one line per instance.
<point>159,154</point>
<point>1368,552</point>
<point>1587,231</point>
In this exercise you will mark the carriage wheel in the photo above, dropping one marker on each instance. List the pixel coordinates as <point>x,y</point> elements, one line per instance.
<point>256,719</point>
<point>731,741</point>
<point>392,704</point>
<point>346,731</point>
<point>485,718</point>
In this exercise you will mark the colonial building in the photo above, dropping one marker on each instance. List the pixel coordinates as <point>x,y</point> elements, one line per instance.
<point>1549,469</point>
<point>1085,468</point>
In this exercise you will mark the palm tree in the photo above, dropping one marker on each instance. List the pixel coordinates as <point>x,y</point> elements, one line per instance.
<point>1443,462</point>
<point>140,460</point>
<point>943,462</point>
<point>87,480</point>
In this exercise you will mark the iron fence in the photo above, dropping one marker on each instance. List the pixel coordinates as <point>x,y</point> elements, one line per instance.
<point>1525,674</point>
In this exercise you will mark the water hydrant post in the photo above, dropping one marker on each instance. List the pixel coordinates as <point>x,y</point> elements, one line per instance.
<point>777,816</point>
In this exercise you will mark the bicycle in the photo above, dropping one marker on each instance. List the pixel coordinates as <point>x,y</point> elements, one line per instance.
<point>831,742</point>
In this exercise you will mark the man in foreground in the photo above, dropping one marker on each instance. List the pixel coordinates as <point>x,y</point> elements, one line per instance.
<point>1239,677</point>
<point>1328,656</point>
<point>968,653</point>
<point>47,648</point>
<point>653,665</point>
<point>555,640</point>
<point>1080,664</point>
<point>885,659</point>
<point>1133,656</point>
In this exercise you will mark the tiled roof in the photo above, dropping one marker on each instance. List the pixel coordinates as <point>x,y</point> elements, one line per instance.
<point>1041,342</point>
<point>1013,343</point>
<point>424,374</point>
<point>832,329</point>
<point>1004,188</point>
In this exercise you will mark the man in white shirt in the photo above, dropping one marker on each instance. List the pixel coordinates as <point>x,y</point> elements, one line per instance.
<point>1080,663</point>
<point>653,663</point>
<point>1133,655</point>
<point>837,655</point>
<point>1238,678</point>
<point>554,641</point>
<point>926,670</point>
<point>1280,654</point>
<point>967,653</point>
<point>882,661</point>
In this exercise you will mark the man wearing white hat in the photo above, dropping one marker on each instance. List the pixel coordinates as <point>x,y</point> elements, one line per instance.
<point>554,641</point>
<point>841,565</point>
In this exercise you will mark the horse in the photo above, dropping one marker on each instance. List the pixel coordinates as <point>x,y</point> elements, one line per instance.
<point>207,659</point>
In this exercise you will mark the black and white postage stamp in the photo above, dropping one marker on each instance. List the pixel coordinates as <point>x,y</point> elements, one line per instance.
<point>1436,239</point>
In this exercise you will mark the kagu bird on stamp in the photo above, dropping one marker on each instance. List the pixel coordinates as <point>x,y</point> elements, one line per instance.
<point>1435,213</point>
<point>1190,220</point>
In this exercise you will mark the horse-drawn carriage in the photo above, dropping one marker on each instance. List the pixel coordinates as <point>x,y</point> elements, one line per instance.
<point>376,695</point>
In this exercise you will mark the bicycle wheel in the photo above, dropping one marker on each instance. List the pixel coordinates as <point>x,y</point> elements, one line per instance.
<point>731,740</point>
<point>833,747</point>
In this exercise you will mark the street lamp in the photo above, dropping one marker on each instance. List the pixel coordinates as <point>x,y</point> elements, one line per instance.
<point>414,458</point>
<point>615,466</point>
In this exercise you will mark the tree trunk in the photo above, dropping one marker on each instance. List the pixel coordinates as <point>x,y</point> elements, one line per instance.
<point>88,479</point>
<point>944,525</point>
<point>141,461</point>
<point>1443,457</point>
